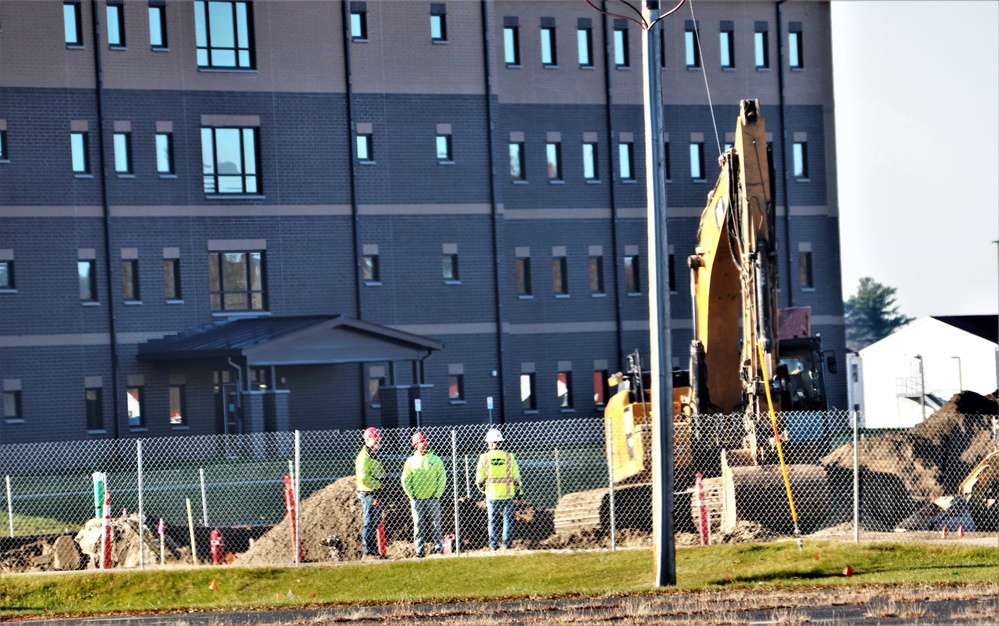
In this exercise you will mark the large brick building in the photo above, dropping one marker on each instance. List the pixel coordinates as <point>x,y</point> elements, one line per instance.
<point>308,213</point>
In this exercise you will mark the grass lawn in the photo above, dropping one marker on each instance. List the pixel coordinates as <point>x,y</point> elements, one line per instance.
<point>520,575</point>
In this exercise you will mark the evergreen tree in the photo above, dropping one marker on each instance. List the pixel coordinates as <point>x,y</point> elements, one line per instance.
<point>871,314</point>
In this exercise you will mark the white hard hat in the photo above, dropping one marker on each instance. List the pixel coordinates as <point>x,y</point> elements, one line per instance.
<point>494,436</point>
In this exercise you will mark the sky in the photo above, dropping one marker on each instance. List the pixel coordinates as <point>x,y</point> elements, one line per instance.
<point>916,88</point>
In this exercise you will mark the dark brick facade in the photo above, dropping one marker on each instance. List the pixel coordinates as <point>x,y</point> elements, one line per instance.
<point>318,208</point>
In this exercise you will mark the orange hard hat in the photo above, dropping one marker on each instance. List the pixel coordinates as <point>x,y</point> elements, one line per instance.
<point>372,433</point>
<point>419,437</point>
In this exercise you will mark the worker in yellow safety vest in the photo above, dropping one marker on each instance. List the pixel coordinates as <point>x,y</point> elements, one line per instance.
<point>369,472</point>
<point>498,476</point>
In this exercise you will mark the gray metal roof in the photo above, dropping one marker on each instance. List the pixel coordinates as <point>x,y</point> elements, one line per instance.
<point>317,339</point>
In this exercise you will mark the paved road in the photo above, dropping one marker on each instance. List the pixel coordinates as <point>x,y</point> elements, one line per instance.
<point>970,605</point>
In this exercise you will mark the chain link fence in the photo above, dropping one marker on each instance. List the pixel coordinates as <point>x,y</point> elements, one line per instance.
<point>840,481</point>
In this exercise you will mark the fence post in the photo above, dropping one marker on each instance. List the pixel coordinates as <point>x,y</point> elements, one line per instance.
<point>298,496</point>
<point>10,506</point>
<point>610,481</point>
<point>190,526</point>
<point>856,479</point>
<point>454,472</point>
<point>142,526</point>
<point>204,501</point>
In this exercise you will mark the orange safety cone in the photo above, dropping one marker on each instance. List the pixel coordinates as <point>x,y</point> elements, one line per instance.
<point>214,586</point>
<point>106,536</point>
<point>382,541</point>
<point>848,571</point>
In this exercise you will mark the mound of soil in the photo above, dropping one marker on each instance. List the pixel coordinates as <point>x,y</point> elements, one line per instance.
<point>900,471</point>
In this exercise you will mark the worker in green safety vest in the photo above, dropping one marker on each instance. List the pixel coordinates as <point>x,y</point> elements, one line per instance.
<point>369,472</point>
<point>498,476</point>
<point>423,480</point>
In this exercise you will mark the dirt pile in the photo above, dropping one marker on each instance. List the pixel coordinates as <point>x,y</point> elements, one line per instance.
<point>335,510</point>
<point>915,466</point>
<point>126,541</point>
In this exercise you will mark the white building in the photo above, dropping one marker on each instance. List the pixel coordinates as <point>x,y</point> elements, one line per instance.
<point>902,379</point>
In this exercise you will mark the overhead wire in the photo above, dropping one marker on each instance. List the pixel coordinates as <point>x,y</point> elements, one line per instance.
<point>707,88</point>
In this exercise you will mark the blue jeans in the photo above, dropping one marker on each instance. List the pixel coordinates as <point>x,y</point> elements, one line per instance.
<point>372,518</point>
<point>426,517</point>
<point>495,507</point>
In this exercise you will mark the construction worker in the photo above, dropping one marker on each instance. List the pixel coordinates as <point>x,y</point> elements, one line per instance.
<point>370,473</point>
<point>498,475</point>
<point>423,480</point>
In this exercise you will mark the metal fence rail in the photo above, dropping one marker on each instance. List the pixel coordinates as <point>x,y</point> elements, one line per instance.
<point>843,481</point>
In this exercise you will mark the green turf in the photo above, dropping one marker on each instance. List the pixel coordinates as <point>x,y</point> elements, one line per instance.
<point>533,575</point>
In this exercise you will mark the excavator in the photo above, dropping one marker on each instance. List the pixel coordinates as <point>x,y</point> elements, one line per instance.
<point>744,374</point>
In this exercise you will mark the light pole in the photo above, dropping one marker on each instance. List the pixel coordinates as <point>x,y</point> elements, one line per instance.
<point>922,385</point>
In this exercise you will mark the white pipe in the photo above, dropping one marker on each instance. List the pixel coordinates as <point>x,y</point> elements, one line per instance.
<point>454,472</point>
<point>142,533</point>
<point>204,501</point>
<point>856,480</point>
<point>298,499</point>
<point>10,507</point>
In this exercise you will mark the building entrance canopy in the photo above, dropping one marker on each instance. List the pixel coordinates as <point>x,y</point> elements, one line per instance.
<point>276,341</point>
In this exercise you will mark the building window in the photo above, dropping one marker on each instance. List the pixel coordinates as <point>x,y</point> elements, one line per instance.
<point>563,386</point>
<point>761,46</point>
<point>800,159</point>
<point>727,48</point>
<point>631,275</point>
<point>157,26</point>
<point>87,271</point>
<point>517,171</point>
<point>236,281</point>
<point>223,33</point>
<point>805,278</point>
<point>511,46</point>
<point>229,160</point>
<point>369,269</point>
<point>560,276</point>
<point>621,59</point>
<point>4,154</point>
<point>450,265</point>
<point>691,46</point>
<point>444,154</point>
<point>596,275</point>
<point>178,402</point>
<point>95,409</point>
<point>697,161</point>
<point>358,21</point>
<point>522,270</point>
<point>669,171</point>
<point>549,55</point>
<point>553,154</point>
<point>795,53</point>
<point>171,279</point>
<point>6,275</point>
<point>71,22</point>
<point>456,387</point>
<point>116,25</point>
<point>528,397</point>
<point>626,158</point>
<point>584,43</point>
<point>365,150</point>
<point>375,384</point>
<point>600,387</point>
<point>12,405</point>
<point>130,280</point>
<point>135,402</point>
<point>590,170</point>
<point>164,153</point>
<point>78,143</point>
<point>122,153</point>
<point>438,23</point>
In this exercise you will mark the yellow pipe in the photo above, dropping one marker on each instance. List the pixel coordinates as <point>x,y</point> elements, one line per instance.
<point>780,450</point>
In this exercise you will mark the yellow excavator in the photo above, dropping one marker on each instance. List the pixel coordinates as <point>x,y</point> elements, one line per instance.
<point>744,374</point>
